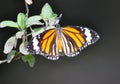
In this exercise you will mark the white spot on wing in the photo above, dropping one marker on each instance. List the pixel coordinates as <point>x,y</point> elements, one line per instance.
<point>35,44</point>
<point>88,35</point>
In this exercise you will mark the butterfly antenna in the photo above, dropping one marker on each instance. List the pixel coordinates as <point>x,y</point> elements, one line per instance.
<point>60,16</point>
<point>58,19</point>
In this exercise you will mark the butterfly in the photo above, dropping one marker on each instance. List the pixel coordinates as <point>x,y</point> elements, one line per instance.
<point>60,41</point>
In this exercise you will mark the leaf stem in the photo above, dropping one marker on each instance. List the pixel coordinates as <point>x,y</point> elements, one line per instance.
<point>27,10</point>
<point>27,14</point>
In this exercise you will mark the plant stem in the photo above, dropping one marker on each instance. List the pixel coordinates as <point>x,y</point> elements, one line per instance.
<point>27,10</point>
<point>27,14</point>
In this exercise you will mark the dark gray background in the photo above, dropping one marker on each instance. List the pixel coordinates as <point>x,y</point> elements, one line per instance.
<point>97,64</point>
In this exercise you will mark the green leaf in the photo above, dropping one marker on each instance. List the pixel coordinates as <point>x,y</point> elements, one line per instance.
<point>24,58</point>
<point>10,43</point>
<point>54,20</point>
<point>11,55</point>
<point>19,34</point>
<point>21,20</point>
<point>53,16</point>
<point>8,23</point>
<point>34,20</point>
<point>3,61</point>
<point>30,59</point>
<point>23,47</point>
<point>37,31</point>
<point>46,12</point>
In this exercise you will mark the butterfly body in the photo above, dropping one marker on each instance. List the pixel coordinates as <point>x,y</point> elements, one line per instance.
<point>69,41</point>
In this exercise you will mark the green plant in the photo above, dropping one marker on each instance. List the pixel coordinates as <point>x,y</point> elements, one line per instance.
<point>23,24</point>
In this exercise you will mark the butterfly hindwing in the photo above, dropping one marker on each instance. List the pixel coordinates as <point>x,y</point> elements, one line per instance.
<point>33,45</point>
